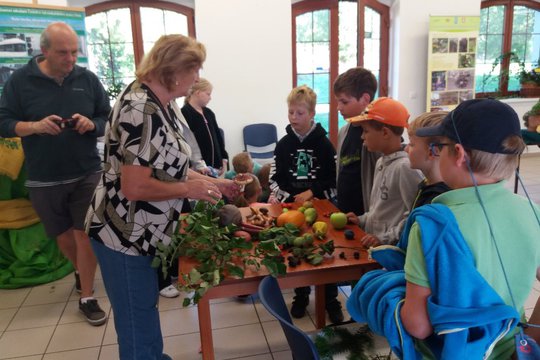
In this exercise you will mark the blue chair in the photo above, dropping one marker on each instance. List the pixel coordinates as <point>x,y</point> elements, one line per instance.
<point>260,141</point>
<point>301,345</point>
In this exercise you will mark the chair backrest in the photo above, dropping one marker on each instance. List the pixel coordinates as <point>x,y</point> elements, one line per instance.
<point>260,140</point>
<point>302,347</point>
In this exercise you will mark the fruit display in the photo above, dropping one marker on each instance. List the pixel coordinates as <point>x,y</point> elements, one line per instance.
<point>294,217</point>
<point>338,220</point>
<point>320,228</point>
<point>349,234</point>
<point>311,215</point>
<point>260,217</point>
<point>229,214</point>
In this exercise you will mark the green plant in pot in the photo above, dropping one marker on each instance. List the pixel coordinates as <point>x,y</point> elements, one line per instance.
<point>532,123</point>
<point>527,75</point>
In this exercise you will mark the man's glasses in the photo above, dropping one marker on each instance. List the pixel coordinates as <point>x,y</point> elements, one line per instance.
<point>436,148</point>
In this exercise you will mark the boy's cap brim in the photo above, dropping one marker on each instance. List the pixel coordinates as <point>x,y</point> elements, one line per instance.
<point>430,131</point>
<point>384,110</point>
<point>480,124</point>
<point>358,118</point>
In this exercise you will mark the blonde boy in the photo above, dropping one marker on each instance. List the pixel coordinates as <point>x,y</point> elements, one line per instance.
<point>423,158</point>
<point>395,183</point>
<point>305,168</point>
<point>479,148</point>
<point>470,256</point>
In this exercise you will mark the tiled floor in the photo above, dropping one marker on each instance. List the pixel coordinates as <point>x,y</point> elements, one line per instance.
<point>43,323</point>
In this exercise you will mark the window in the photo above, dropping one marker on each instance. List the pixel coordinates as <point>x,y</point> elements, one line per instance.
<point>331,36</point>
<point>509,41</point>
<point>116,46</point>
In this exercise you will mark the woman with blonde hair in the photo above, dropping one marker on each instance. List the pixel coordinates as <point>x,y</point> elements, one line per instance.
<point>203,124</point>
<point>143,190</point>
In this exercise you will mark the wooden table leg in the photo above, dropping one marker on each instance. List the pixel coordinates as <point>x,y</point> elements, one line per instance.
<point>205,329</point>
<point>320,306</point>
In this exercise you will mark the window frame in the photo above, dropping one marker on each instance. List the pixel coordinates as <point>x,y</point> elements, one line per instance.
<point>507,40</point>
<point>136,26</point>
<point>305,6</point>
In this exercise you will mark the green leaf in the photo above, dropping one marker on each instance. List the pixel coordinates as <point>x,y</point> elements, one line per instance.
<point>271,265</point>
<point>194,276</point>
<point>186,302</point>
<point>216,277</point>
<point>235,271</point>
<point>156,261</point>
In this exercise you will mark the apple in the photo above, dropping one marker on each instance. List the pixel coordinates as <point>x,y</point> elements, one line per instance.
<point>338,220</point>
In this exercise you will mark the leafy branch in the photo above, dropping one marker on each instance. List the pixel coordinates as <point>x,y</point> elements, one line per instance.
<point>217,252</point>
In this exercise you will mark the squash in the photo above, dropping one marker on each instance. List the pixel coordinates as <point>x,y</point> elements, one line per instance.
<point>294,217</point>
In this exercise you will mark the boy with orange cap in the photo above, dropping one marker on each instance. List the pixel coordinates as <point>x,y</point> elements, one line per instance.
<point>394,183</point>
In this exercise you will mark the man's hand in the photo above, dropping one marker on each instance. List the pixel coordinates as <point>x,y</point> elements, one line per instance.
<point>48,125</point>
<point>83,124</point>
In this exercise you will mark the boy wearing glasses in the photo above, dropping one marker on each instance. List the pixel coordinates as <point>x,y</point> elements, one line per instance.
<point>471,255</point>
<point>394,183</point>
<point>424,155</point>
<point>480,145</point>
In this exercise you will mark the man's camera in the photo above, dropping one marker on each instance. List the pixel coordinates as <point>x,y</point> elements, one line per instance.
<point>66,123</point>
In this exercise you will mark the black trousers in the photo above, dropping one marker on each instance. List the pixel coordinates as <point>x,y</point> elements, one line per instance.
<point>330,292</point>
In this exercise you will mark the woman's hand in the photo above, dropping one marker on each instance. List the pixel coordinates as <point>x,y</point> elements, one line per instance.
<point>303,196</point>
<point>229,188</point>
<point>203,190</point>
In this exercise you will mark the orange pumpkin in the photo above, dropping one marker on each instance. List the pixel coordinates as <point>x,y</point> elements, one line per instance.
<point>294,217</point>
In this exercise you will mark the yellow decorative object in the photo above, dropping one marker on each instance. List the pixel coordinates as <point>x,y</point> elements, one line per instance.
<point>11,157</point>
<point>17,214</point>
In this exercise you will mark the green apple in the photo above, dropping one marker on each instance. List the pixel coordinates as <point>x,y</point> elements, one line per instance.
<point>338,220</point>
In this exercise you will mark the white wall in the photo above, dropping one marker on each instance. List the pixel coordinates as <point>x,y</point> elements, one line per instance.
<point>249,62</point>
<point>408,56</point>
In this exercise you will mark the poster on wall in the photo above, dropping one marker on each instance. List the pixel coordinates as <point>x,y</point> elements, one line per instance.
<point>451,60</point>
<point>20,31</point>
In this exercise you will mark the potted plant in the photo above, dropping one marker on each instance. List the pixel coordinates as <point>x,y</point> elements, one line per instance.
<point>529,78</point>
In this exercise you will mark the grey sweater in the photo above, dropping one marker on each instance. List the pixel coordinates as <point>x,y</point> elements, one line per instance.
<point>392,196</point>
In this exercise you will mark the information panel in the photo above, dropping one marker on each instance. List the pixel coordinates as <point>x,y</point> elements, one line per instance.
<point>451,60</point>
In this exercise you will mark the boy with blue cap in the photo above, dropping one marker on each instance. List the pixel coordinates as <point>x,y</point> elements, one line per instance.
<point>471,256</point>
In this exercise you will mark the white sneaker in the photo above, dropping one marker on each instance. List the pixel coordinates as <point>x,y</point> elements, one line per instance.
<point>169,292</point>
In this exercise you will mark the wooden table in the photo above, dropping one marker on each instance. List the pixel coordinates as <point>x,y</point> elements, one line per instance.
<point>332,270</point>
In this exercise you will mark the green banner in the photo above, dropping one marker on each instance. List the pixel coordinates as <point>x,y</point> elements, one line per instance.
<point>20,32</point>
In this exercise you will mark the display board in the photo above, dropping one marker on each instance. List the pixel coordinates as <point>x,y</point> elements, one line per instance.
<point>451,60</point>
<point>20,31</point>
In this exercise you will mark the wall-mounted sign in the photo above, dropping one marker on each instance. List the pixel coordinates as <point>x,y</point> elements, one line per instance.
<point>451,60</point>
<point>20,31</point>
